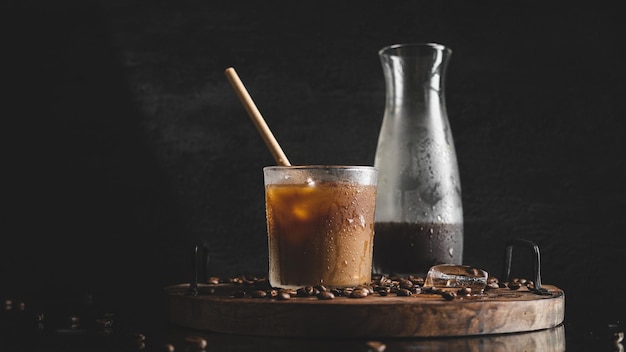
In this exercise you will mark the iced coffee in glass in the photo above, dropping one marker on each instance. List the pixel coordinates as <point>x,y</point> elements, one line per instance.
<point>320,225</point>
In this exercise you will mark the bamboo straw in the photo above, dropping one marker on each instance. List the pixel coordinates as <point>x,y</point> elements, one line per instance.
<point>257,118</point>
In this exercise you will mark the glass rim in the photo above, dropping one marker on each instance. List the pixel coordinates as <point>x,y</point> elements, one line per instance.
<point>431,45</point>
<point>321,167</point>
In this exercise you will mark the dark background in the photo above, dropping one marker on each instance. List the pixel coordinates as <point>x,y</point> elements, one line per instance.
<point>124,144</point>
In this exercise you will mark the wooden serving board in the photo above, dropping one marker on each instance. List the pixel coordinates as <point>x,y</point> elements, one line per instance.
<point>421,315</point>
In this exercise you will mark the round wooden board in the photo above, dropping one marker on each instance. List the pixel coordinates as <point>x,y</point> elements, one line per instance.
<point>423,315</point>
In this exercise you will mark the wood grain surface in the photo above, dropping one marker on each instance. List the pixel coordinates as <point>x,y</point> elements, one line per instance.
<point>420,315</point>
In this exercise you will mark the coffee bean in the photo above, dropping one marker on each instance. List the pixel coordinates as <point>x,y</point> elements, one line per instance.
<point>359,293</point>
<point>448,295</point>
<point>492,279</point>
<point>283,295</point>
<point>259,294</point>
<point>320,288</point>
<point>235,280</point>
<point>337,292</point>
<point>196,342</point>
<point>325,295</point>
<point>375,346</point>
<point>419,281</point>
<point>74,321</point>
<point>136,339</point>
<point>383,290</point>
<point>403,292</point>
<point>464,291</point>
<point>302,292</point>
<point>405,283</point>
<point>514,285</point>
<point>104,323</point>
<point>168,347</point>
<point>492,285</point>
<point>429,289</point>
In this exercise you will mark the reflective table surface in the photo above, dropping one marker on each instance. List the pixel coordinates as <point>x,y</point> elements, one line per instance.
<point>92,323</point>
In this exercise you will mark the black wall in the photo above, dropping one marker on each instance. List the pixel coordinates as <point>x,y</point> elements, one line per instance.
<point>124,144</point>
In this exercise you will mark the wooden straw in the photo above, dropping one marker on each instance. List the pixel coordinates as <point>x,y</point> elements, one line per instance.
<point>257,119</point>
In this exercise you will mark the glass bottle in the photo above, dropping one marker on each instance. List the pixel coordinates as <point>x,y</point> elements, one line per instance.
<point>419,214</point>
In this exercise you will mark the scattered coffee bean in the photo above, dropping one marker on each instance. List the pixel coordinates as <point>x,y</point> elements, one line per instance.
<point>429,289</point>
<point>74,321</point>
<point>403,292</point>
<point>405,283</point>
<point>196,342</point>
<point>419,281</point>
<point>416,290</point>
<point>325,295</point>
<point>311,291</point>
<point>168,347</point>
<point>383,290</point>
<point>283,295</point>
<point>337,292</point>
<point>320,288</point>
<point>104,322</point>
<point>235,280</point>
<point>464,291</point>
<point>515,285</point>
<point>136,338</point>
<point>492,285</point>
<point>213,280</point>
<point>258,294</point>
<point>367,289</point>
<point>448,295</point>
<point>383,285</point>
<point>375,346</point>
<point>359,293</point>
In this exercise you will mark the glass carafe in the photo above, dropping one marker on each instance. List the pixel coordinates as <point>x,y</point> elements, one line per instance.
<point>419,214</point>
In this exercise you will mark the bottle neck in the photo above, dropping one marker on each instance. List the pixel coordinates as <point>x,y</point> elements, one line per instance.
<point>414,76</point>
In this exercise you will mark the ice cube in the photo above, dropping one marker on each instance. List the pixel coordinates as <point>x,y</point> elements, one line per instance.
<point>453,277</point>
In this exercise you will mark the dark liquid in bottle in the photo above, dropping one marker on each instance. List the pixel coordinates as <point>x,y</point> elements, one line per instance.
<point>412,248</point>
